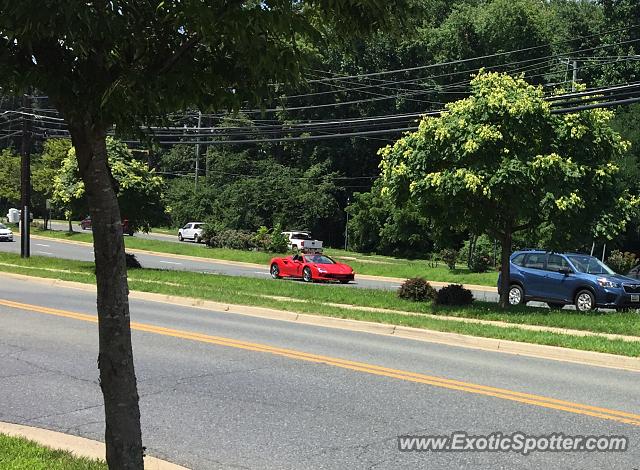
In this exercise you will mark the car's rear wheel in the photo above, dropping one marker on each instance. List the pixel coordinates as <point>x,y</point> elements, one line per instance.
<point>275,271</point>
<point>306,275</point>
<point>196,239</point>
<point>180,237</point>
<point>516,294</point>
<point>555,305</point>
<point>585,301</point>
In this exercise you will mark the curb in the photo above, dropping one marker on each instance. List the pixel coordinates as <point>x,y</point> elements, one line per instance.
<point>555,353</point>
<point>367,277</point>
<point>79,446</point>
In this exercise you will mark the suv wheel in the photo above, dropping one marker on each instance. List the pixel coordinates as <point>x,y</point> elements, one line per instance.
<point>585,301</point>
<point>516,294</point>
<point>196,239</point>
<point>180,237</point>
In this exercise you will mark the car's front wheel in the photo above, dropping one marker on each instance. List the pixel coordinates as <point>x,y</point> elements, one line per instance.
<point>585,301</point>
<point>275,271</point>
<point>180,238</point>
<point>306,275</point>
<point>516,294</point>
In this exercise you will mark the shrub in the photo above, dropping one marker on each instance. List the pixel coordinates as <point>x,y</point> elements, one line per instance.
<point>278,242</point>
<point>262,239</point>
<point>449,256</point>
<point>132,261</point>
<point>235,239</point>
<point>211,230</point>
<point>480,263</point>
<point>621,262</point>
<point>417,289</point>
<point>454,294</point>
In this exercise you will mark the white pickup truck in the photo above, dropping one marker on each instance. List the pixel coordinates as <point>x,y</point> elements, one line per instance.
<point>302,241</point>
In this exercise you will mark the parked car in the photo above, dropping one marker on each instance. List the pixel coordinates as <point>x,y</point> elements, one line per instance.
<point>560,279</point>
<point>311,267</point>
<point>191,231</point>
<point>127,227</point>
<point>301,240</point>
<point>5,233</point>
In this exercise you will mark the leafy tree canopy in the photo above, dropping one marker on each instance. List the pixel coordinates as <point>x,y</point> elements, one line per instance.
<point>499,162</point>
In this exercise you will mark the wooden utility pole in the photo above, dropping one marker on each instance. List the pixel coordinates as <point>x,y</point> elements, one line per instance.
<point>25,179</point>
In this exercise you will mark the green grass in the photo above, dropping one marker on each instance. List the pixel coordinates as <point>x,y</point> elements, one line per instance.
<point>362,264</point>
<point>21,454</point>
<point>314,297</point>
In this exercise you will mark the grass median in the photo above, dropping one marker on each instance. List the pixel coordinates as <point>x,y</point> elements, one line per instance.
<point>17,453</point>
<point>373,265</point>
<point>344,302</point>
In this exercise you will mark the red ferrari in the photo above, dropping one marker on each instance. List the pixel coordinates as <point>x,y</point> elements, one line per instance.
<point>311,267</point>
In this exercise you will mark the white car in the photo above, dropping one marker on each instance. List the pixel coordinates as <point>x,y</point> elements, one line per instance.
<point>191,231</point>
<point>5,233</point>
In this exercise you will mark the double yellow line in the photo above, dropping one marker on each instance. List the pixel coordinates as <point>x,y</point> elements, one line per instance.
<point>527,398</point>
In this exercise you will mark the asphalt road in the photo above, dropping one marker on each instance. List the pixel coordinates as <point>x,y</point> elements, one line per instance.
<point>210,405</point>
<point>82,252</point>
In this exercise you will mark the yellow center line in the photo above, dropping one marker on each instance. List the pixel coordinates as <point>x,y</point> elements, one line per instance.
<point>505,394</point>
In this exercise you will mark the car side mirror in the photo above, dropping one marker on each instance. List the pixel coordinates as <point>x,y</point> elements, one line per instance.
<point>564,271</point>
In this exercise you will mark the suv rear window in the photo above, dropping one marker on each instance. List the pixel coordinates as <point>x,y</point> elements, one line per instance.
<point>301,236</point>
<point>535,260</point>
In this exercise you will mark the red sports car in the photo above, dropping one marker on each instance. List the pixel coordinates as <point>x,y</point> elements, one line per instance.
<point>311,267</point>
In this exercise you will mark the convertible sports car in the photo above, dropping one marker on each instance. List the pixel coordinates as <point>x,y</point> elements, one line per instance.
<point>311,267</point>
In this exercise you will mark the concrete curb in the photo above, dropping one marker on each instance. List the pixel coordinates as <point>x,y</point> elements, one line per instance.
<point>367,277</point>
<point>451,339</point>
<point>79,446</point>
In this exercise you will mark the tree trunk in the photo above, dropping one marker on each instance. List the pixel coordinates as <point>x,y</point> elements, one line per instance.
<point>115,359</point>
<point>505,268</point>
<point>70,225</point>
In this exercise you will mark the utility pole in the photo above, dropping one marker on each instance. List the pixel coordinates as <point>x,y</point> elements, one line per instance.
<point>198,151</point>
<point>574,79</point>
<point>25,180</point>
<point>346,227</point>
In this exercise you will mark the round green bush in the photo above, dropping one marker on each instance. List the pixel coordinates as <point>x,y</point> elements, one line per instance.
<point>416,289</point>
<point>454,294</point>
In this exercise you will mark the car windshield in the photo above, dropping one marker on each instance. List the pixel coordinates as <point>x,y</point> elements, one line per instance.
<point>319,259</point>
<point>589,265</point>
<point>301,236</point>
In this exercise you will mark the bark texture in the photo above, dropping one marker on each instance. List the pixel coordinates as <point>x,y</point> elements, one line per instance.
<point>506,242</point>
<point>115,359</point>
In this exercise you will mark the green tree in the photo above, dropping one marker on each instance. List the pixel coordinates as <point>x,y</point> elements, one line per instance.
<point>126,64</point>
<point>499,162</point>
<point>139,191</point>
<point>9,176</point>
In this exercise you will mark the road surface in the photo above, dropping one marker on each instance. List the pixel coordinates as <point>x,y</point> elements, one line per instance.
<point>232,398</point>
<point>84,252</point>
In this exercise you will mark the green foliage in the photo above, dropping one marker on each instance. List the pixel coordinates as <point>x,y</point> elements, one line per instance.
<point>416,289</point>
<point>621,262</point>
<point>231,238</point>
<point>139,190</point>
<point>449,256</point>
<point>279,242</point>
<point>377,225</point>
<point>10,176</point>
<point>499,162</point>
<point>454,294</point>
<point>478,253</point>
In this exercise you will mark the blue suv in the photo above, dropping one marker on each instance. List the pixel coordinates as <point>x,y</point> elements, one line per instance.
<point>560,279</point>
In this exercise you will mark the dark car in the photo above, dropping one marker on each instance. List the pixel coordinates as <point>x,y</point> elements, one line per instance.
<point>569,278</point>
<point>127,228</point>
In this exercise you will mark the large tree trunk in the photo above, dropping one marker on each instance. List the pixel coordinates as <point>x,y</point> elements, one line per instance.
<point>505,268</point>
<point>115,359</point>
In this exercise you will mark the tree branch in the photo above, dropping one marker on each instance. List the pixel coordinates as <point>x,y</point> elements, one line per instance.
<point>171,61</point>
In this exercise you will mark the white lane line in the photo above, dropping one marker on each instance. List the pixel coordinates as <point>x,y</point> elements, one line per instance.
<point>44,252</point>
<point>169,262</point>
<point>261,272</point>
<point>42,244</point>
